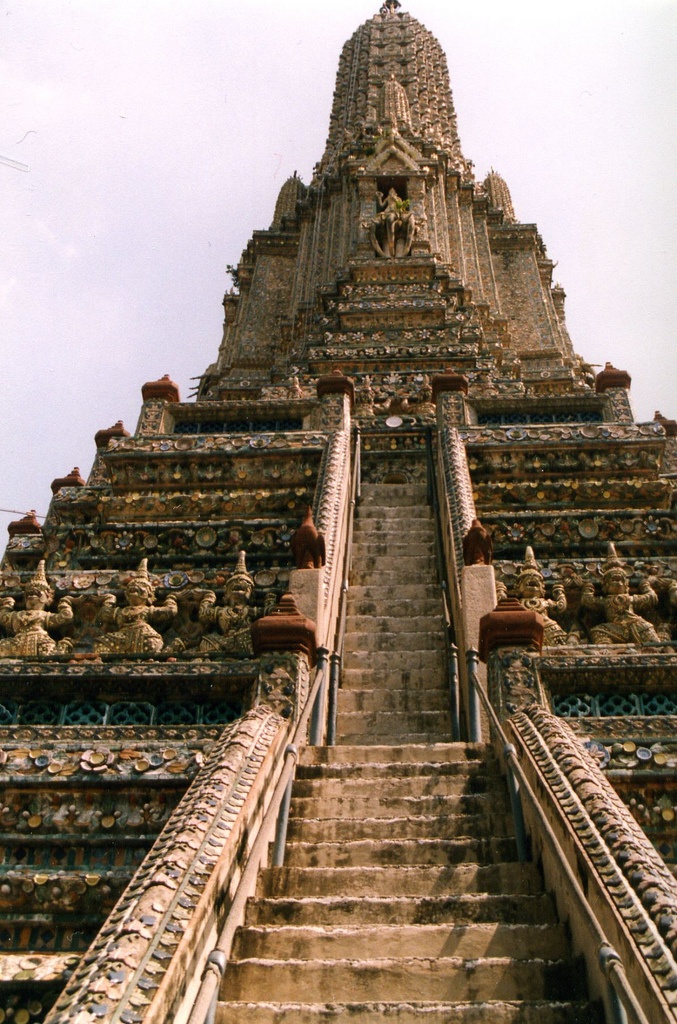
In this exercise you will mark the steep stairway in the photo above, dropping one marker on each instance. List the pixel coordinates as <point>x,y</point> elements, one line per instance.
<point>393,683</point>
<point>401,896</point>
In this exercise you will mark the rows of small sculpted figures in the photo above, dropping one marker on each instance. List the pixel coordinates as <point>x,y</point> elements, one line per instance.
<point>134,626</point>
<point>614,616</point>
<point>137,625</point>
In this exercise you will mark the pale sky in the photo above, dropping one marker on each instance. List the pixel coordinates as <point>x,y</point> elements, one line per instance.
<point>158,134</point>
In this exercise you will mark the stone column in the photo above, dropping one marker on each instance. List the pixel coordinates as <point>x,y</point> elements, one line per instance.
<point>417,191</point>
<point>478,598</point>
<point>614,384</point>
<point>337,398</point>
<point>510,641</point>
<point>156,395</point>
<point>449,391</point>
<point>307,588</point>
<point>366,190</point>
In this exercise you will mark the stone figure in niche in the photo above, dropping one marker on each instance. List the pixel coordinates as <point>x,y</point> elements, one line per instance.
<point>425,392</point>
<point>392,230</point>
<point>132,626</point>
<point>233,620</point>
<point>364,396</point>
<point>295,390</point>
<point>530,589</point>
<point>307,545</point>
<point>30,629</point>
<point>621,610</point>
<point>478,547</point>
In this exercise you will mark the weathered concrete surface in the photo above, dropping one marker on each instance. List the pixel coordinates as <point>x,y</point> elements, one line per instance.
<point>400,898</point>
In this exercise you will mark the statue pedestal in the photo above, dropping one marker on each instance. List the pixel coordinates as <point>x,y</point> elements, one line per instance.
<point>306,587</point>
<point>478,594</point>
<point>478,597</point>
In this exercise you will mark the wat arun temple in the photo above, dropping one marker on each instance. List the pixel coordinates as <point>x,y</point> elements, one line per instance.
<point>347,691</point>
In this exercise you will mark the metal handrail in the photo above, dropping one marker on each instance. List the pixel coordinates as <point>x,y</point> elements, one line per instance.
<point>204,1007</point>
<point>340,633</point>
<point>622,997</point>
<point>443,580</point>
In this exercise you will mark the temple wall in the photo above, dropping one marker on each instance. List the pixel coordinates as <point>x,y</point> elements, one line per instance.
<point>520,292</point>
<point>268,301</point>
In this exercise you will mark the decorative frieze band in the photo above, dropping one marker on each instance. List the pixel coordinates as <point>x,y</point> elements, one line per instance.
<point>154,931</point>
<point>457,485</point>
<point>638,883</point>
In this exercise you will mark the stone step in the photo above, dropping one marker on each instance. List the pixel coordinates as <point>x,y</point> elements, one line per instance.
<point>390,551</point>
<point>407,566</point>
<point>385,852</point>
<point>379,738</point>
<point>423,753</point>
<point>417,826</point>
<point>393,724</point>
<point>401,640</point>
<point>486,1012</point>
<point>404,679</point>
<point>383,662</point>
<point>392,806</point>
<point>394,606</point>
<point>392,533</point>
<point>394,580</point>
<point>417,780</point>
<point>393,494</point>
<point>411,591</point>
<point>452,779</point>
<point>497,878</point>
<point>392,700</point>
<point>392,530</point>
<point>397,770</point>
<point>406,978</point>
<point>357,625</point>
<point>395,910</point>
<point>410,517</point>
<point>380,519</point>
<point>367,942</point>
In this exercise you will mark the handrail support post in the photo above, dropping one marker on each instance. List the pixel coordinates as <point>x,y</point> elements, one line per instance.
<point>334,677</point>
<point>521,839</point>
<point>283,815</point>
<point>216,964</point>
<point>454,702</point>
<point>474,717</point>
<point>610,962</point>
<point>317,718</point>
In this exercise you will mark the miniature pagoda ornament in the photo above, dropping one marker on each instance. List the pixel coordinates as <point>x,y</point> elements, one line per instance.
<point>31,627</point>
<point>134,633</point>
<point>530,589</point>
<point>478,546</point>
<point>234,619</point>
<point>307,545</point>
<point>620,608</point>
<point>396,109</point>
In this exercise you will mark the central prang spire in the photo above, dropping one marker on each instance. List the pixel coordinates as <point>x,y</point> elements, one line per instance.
<point>392,62</point>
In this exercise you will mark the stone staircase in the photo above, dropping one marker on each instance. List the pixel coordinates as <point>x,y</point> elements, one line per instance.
<point>394,671</point>
<point>401,897</point>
